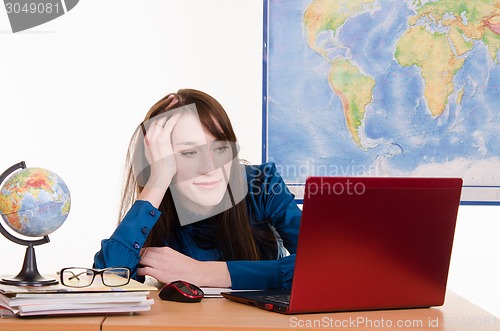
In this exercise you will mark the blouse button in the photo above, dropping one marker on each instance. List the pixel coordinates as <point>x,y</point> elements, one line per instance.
<point>137,246</point>
<point>152,213</point>
<point>144,230</point>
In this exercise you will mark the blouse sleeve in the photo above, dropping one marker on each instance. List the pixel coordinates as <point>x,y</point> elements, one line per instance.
<point>124,246</point>
<point>271,201</point>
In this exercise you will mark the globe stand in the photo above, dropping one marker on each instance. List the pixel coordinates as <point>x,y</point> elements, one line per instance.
<point>29,275</point>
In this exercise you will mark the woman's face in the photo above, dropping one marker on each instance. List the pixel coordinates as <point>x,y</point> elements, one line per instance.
<point>203,164</point>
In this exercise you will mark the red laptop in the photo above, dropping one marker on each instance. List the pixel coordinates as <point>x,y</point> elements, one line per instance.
<point>369,243</point>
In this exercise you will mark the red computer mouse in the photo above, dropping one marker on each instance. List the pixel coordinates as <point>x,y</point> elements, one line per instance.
<point>181,291</point>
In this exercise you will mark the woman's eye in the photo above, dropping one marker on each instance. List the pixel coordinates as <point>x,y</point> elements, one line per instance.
<point>187,153</point>
<point>221,149</point>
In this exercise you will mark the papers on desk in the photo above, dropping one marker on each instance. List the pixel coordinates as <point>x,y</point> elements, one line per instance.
<point>215,292</point>
<point>62,300</point>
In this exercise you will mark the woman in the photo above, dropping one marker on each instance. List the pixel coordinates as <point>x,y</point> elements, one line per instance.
<point>192,211</point>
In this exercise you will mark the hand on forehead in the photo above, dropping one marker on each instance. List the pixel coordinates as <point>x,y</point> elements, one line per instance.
<point>189,131</point>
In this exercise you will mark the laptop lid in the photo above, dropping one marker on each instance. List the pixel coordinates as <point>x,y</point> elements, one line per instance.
<point>374,243</point>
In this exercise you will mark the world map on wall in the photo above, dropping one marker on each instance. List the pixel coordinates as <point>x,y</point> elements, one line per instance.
<point>384,88</point>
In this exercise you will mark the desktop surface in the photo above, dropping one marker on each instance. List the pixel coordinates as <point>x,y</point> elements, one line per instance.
<point>220,314</point>
<point>457,314</point>
<point>67,323</point>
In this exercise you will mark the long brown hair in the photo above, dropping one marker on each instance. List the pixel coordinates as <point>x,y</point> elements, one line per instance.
<point>234,235</point>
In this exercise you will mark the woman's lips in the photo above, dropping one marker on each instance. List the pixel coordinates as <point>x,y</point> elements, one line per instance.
<point>208,185</point>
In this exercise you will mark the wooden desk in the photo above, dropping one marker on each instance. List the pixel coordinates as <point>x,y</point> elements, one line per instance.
<point>84,323</point>
<point>221,314</point>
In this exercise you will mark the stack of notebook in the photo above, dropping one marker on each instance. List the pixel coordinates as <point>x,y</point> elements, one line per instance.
<point>62,300</point>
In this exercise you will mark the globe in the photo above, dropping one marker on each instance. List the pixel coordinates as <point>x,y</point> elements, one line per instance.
<point>34,202</point>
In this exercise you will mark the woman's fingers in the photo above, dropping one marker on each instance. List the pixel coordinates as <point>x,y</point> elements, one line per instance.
<point>158,137</point>
<point>169,125</point>
<point>159,150</point>
<point>166,264</point>
<point>150,257</point>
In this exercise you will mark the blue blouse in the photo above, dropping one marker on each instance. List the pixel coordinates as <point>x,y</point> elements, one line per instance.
<point>268,200</point>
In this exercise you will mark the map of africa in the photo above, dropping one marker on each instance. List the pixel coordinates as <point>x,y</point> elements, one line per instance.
<point>384,88</point>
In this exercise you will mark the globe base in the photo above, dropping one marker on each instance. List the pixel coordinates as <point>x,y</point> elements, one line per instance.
<point>22,281</point>
<point>29,275</point>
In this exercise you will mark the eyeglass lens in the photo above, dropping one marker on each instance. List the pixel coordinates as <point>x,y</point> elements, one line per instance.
<point>82,277</point>
<point>115,276</point>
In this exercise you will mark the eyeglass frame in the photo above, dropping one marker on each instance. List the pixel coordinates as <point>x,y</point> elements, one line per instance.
<point>95,272</point>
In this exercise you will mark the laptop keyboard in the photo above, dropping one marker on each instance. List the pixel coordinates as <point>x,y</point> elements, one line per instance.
<point>283,299</point>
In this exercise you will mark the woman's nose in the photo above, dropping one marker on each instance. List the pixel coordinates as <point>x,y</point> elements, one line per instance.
<point>207,163</point>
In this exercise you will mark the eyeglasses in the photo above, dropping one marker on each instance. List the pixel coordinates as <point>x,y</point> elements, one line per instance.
<point>83,277</point>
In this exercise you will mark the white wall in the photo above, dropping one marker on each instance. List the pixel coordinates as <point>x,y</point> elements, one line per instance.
<point>73,90</point>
